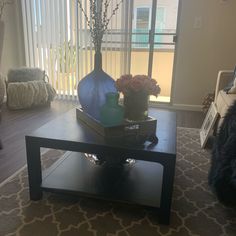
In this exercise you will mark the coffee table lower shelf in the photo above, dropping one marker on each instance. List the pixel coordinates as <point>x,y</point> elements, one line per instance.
<point>139,183</point>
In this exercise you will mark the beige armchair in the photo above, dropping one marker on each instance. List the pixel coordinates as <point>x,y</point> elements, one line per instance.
<point>223,100</point>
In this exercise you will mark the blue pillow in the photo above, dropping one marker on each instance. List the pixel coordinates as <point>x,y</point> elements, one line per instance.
<point>231,83</point>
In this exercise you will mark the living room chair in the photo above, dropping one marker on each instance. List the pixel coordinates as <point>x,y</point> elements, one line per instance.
<point>223,100</point>
<point>225,95</point>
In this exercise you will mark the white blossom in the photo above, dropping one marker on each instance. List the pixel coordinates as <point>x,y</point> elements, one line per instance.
<point>99,19</point>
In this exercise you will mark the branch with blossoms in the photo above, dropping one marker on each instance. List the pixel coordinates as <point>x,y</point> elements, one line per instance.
<point>98,20</point>
<point>138,83</point>
<point>3,4</point>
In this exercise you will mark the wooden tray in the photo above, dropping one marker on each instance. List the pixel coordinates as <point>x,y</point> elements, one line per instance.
<point>139,128</point>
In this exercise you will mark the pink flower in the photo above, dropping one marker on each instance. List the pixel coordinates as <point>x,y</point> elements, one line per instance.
<point>136,85</point>
<point>123,83</point>
<point>128,83</point>
<point>155,90</point>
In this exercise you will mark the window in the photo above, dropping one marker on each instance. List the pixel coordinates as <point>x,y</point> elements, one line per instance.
<point>160,26</point>
<point>141,27</point>
<point>57,40</point>
<point>143,18</point>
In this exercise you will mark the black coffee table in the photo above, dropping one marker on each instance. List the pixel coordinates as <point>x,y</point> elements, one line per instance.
<point>148,182</point>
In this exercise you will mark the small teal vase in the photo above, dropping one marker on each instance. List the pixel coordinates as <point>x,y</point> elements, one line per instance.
<point>112,113</point>
<point>92,89</point>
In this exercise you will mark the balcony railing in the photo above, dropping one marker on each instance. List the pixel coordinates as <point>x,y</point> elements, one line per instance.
<point>65,65</point>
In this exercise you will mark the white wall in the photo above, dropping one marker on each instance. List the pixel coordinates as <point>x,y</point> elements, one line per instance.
<point>13,47</point>
<point>202,52</point>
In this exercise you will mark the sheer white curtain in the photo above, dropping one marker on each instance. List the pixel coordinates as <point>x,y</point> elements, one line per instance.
<point>57,40</point>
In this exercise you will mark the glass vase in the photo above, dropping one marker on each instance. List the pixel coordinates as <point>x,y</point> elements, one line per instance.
<point>136,105</point>
<point>92,89</point>
<point>112,113</point>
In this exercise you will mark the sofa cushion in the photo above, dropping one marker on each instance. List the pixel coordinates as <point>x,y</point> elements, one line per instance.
<point>233,88</point>
<point>223,102</point>
<point>25,75</point>
<point>230,88</point>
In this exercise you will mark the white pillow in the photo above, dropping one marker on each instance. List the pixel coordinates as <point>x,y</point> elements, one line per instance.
<point>233,88</point>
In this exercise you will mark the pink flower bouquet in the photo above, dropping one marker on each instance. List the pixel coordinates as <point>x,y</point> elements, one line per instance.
<point>138,83</point>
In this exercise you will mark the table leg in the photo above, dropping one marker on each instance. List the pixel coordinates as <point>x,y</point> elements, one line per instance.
<point>34,168</point>
<point>167,189</point>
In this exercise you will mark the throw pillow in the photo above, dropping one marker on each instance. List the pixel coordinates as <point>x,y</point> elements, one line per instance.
<point>233,88</point>
<point>231,83</point>
<point>25,75</point>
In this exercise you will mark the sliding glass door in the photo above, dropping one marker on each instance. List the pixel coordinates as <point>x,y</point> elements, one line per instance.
<point>153,42</point>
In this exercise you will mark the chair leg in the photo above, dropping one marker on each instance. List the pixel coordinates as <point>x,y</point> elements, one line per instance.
<point>1,147</point>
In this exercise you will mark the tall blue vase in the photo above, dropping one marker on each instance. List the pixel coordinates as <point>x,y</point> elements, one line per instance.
<point>92,89</point>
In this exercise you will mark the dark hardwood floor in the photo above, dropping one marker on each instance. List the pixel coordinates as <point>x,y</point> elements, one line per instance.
<point>190,119</point>
<point>13,128</point>
<point>16,124</point>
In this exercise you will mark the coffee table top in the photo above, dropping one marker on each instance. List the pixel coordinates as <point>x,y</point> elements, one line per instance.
<point>70,132</point>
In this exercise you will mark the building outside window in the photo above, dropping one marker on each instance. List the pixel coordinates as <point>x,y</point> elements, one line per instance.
<point>142,25</point>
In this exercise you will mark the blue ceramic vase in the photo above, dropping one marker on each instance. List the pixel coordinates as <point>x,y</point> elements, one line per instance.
<point>92,89</point>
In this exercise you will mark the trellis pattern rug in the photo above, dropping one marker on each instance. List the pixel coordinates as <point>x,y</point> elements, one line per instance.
<point>195,210</point>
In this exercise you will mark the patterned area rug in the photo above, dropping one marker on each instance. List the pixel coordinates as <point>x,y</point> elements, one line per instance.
<point>195,210</point>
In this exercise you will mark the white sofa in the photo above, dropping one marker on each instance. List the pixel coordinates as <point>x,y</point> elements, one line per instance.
<point>223,100</point>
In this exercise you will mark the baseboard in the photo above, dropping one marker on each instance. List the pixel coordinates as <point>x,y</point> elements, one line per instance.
<point>183,107</point>
<point>187,107</point>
